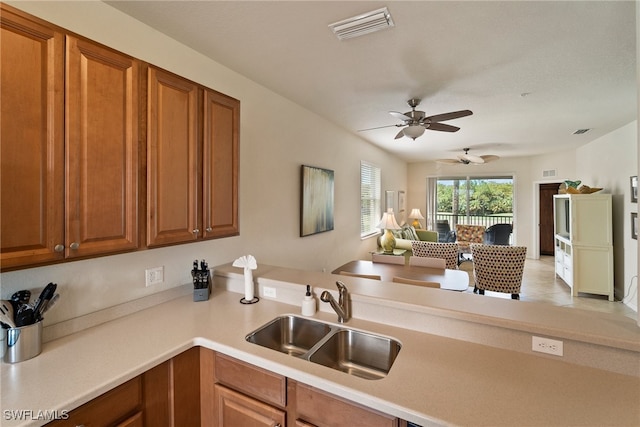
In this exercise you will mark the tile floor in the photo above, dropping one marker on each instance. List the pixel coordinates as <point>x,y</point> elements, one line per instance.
<point>540,284</point>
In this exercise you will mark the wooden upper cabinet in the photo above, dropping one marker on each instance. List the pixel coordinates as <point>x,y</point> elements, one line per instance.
<point>172,159</point>
<point>32,140</point>
<point>102,142</point>
<point>220,165</point>
<point>192,161</point>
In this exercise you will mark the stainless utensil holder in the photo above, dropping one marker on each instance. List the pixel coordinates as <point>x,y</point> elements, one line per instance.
<point>22,343</point>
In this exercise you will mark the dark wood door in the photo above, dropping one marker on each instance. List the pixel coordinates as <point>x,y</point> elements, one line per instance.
<point>546,217</point>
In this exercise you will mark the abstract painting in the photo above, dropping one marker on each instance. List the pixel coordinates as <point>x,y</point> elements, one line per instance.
<point>316,210</point>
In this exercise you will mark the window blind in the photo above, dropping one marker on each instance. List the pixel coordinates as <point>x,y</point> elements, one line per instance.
<point>369,199</point>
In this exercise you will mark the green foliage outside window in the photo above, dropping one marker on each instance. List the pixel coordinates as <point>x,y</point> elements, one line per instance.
<point>486,196</point>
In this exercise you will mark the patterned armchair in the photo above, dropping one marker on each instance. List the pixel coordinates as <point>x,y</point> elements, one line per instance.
<point>498,268</point>
<point>466,235</point>
<point>446,251</point>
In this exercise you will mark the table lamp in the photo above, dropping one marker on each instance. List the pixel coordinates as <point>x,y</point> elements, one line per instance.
<point>416,215</point>
<point>388,223</point>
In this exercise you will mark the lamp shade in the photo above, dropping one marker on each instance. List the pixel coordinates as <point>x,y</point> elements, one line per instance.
<point>416,214</point>
<point>388,221</point>
<point>413,131</point>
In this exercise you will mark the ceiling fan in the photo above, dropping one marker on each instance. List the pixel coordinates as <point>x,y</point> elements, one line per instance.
<point>416,122</point>
<point>467,158</point>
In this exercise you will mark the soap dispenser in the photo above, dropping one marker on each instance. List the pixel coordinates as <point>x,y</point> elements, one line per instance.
<point>308,303</point>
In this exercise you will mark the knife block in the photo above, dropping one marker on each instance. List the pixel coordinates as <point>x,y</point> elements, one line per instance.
<point>202,286</point>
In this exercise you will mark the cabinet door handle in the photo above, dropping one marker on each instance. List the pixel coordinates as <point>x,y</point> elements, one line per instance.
<point>196,231</point>
<point>74,245</point>
<point>209,229</point>
<point>58,248</point>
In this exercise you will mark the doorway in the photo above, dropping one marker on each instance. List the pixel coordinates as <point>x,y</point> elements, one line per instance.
<point>546,224</point>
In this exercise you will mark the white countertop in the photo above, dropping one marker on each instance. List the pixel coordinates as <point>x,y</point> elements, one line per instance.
<point>434,380</point>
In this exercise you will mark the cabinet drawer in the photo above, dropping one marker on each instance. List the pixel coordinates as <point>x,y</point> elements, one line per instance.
<point>113,407</point>
<point>249,379</point>
<point>323,409</point>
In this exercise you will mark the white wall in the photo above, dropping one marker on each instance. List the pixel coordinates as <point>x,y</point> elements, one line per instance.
<point>609,162</point>
<point>276,138</point>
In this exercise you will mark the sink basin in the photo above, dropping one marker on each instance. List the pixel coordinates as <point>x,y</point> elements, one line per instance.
<point>290,334</point>
<point>358,353</point>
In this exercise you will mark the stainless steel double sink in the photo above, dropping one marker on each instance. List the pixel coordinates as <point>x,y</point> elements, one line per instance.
<point>355,352</point>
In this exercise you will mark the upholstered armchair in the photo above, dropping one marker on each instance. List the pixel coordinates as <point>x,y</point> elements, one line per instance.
<point>446,251</point>
<point>498,268</point>
<point>498,234</point>
<point>466,235</point>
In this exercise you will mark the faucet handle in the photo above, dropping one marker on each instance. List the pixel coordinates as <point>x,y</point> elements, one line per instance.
<point>341,286</point>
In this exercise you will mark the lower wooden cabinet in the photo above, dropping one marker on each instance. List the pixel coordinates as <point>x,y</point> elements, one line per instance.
<point>118,407</point>
<point>200,387</point>
<point>236,409</point>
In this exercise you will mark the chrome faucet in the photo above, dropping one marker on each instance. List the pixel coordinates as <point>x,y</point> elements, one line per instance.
<point>343,306</point>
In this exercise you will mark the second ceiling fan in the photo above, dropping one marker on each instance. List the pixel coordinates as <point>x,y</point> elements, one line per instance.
<point>415,122</point>
<point>467,158</point>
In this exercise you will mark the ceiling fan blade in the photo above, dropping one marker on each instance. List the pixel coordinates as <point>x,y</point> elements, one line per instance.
<point>449,116</point>
<point>490,158</point>
<point>400,134</point>
<point>441,127</point>
<point>400,116</point>
<point>379,127</point>
<point>448,161</point>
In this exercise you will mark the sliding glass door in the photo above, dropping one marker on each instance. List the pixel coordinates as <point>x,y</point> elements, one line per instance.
<point>470,200</point>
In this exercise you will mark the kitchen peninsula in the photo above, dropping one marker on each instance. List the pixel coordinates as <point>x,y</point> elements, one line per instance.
<point>442,375</point>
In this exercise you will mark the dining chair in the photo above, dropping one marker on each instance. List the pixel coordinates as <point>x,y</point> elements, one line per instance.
<point>421,261</point>
<point>446,251</point>
<point>498,268</point>
<point>363,276</point>
<point>388,259</point>
<point>415,282</point>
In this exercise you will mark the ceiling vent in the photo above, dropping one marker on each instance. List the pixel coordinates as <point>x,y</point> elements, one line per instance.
<point>581,131</point>
<point>362,24</point>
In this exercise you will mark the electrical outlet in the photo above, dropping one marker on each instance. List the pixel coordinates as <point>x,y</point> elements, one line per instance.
<point>154,276</point>
<point>269,292</point>
<point>546,345</point>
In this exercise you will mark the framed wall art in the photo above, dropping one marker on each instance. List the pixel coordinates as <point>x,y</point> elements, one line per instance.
<point>316,207</point>
<point>390,201</point>
<point>634,189</point>
<point>634,225</point>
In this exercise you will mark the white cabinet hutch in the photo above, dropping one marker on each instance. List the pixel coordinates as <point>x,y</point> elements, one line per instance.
<point>584,242</point>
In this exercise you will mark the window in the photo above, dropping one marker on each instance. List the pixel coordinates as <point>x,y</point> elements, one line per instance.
<point>473,200</point>
<point>369,199</point>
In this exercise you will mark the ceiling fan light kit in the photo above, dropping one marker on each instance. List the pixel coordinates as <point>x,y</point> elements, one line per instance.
<point>413,131</point>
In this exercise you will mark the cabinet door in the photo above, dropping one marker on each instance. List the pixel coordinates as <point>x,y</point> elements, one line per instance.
<point>323,409</point>
<point>101,149</point>
<point>172,159</point>
<point>120,405</point>
<point>32,135</point>
<point>220,165</point>
<point>236,409</point>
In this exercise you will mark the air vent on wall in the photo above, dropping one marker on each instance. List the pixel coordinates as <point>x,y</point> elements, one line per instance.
<point>548,173</point>
<point>581,131</point>
<point>362,24</point>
